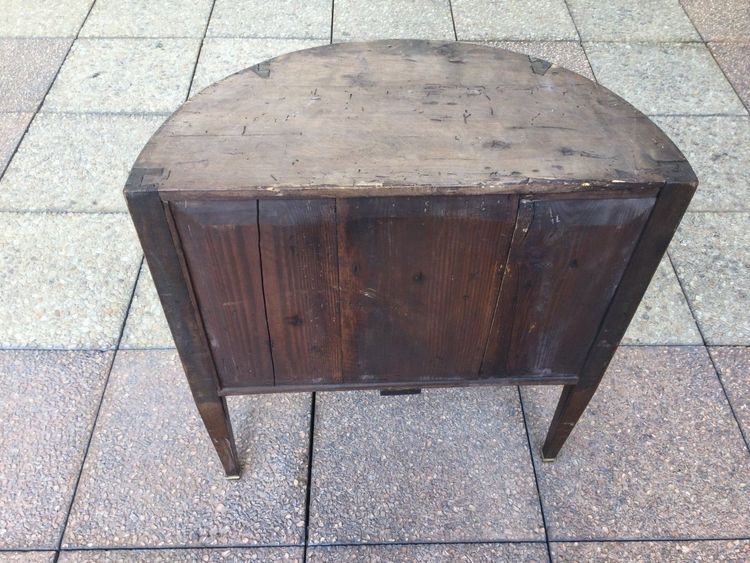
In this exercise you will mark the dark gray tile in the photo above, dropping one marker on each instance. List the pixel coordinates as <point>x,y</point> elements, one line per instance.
<point>656,455</point>
<point>718,149</point>
<point>47,407</point>
<point>27,68</point>
<point>152,477</point>
<point>362,20</point>
<point>733,364</point>
<point>446,465</point>
<point>265,554</point>
<point>616,552</point>
<point>724,20</point>
<point>567,54</point>
<point>667,78</point>
<point>710,254</point>
<point>734,60</point>
<point>448,553</point>
<point>12,126</point>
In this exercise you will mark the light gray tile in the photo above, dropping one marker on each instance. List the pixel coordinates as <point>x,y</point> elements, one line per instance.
<point>664,78</point>
<point>27,556</point>
<point>663,317</point>
<point>65,279</point>
<point>448,553</point>
<point>146,326</point>
<point>718,149</point>
<point>720,20</point>
<point>513,19</point>
<point>221,57</point>
<point>75,162</point>
<point>152,477</point>
<point>265,554</point>
<point>621,20</point>
<point>567,54</point>
<point>734,60</point>
<point>733,364</point>
<point>27,68</point>
<point>143,18</point>
<point>43,18</point>
<point>657,454</point>
<point>279,19</point>
<point>446,465</point>
<point>673,551</point>
<point>362,20</point>
<point>710,254</point>
<point>47,407</point>
<point>124,75</point>
<point>12,126</point>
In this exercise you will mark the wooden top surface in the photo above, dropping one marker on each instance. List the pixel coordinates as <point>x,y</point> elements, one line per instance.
<point>405,117</point>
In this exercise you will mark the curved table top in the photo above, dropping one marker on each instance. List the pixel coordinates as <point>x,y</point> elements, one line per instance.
<point>405,117</point>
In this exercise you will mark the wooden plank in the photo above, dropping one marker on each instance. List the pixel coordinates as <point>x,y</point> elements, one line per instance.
<point>151,222</point>
<point>419,280</point>
<point>670,206</point>
<point>566,260</point>
<point>437,115</point>
<point>220,242</point>
<point>300,271</point>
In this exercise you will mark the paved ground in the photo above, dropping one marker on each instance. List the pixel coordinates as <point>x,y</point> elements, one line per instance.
<point>102,456</point>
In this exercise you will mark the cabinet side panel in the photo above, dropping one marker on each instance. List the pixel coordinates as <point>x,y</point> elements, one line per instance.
<point>419,282</point>
<point>220,242</point>
<point>300,271</point>
<point>566,260</point>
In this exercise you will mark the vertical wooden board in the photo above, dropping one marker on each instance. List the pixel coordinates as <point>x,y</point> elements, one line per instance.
<point>220,242</point>
<point>419,282</point>
<point>300,272</point>
<point>566,260</point>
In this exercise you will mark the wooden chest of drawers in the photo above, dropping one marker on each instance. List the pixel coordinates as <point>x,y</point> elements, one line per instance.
<point>403,214</point>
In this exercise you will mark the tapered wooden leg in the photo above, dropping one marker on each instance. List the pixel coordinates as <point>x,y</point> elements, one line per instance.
<point>573,402</point>
<point>215,416</point>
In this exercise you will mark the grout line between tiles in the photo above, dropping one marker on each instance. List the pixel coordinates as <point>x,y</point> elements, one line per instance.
<point>97,412</point>
<point>536,477</point>
<point>585,54</point>
<point>308,492</point>
<point>200,48</point>
<point>708,351</point>
<point>333,12</point>
<point>453,20</point>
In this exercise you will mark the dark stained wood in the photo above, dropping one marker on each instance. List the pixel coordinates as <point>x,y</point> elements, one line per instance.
<point>566,260</point>
<point>670,206</point>
<point>409,117</point>
<point>150,219</point>
<point>403,214</point>
<point>300,271</point>
<point>220,241</point>
<point>432,384</point>
<point>419,277</point>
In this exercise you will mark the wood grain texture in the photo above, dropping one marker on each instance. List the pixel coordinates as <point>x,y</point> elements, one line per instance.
<point>220,242</point>
<point>419,279</point>
<point>152,222</point>
<point>566,260</point>
<point>407,117</point>
<point>300,271</point>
